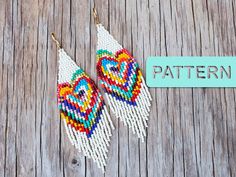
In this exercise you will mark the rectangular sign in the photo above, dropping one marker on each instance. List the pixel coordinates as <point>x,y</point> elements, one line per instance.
<point>191,71</point>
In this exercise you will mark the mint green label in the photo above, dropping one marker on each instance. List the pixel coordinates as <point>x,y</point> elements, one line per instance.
<point>191,71</point>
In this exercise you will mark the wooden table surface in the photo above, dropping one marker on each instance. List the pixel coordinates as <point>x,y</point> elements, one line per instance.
<point>192,132</point>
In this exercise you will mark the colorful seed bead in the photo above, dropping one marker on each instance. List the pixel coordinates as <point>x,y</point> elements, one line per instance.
<point>80,103</point>
<point>120,75</point>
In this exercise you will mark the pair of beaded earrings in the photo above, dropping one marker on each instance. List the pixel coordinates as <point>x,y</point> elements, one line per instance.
<point>82,107</point>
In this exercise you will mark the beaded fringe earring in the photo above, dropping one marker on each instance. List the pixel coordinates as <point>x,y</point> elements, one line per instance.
<point>87,122</point>
<point>122,82</point>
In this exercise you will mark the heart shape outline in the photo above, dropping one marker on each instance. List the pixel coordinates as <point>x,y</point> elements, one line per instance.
<point>124,85</point>
<point>83,111</point>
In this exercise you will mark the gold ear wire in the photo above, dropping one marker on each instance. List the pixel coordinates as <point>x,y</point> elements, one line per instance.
<point>56,41</point>
<point>95,15</point>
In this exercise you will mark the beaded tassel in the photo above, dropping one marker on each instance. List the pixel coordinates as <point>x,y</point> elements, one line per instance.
<point>123,83</point>
<point>87,122</point>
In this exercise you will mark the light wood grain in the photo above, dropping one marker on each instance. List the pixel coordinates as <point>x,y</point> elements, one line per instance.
<point>192,132</point>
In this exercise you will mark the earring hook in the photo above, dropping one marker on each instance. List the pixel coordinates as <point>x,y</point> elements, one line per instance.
<point>55,40</point>
<point>95,14</point>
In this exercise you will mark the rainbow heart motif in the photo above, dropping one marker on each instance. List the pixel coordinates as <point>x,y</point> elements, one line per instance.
<point>120,75</point>
<point>80,103</point>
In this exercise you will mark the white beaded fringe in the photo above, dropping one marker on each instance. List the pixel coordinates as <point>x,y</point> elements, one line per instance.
<point>135,117</point>
<point>95,147</point>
